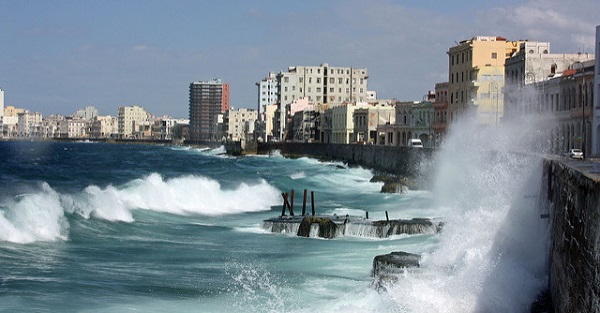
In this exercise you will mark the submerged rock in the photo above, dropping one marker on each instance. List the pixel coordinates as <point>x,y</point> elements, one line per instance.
<point>394,184</point>
<point>386,267</point>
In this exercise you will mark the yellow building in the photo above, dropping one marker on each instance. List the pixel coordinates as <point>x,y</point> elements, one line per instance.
<point>476,77</point>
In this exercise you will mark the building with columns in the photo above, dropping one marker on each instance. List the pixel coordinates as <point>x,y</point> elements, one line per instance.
<point>595,132</point>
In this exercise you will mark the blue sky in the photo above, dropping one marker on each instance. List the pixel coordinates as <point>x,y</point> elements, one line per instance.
<point>58,56</point>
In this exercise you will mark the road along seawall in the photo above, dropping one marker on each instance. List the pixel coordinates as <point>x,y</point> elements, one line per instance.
<point>573,192</point>
<point>397,160</point>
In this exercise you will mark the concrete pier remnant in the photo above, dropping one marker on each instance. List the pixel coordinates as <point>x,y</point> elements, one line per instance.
<point>330,226</point>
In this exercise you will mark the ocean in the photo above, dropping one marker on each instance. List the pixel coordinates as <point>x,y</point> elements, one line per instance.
<point>95,227</point>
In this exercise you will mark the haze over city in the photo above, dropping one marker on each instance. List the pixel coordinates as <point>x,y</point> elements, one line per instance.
<point>58,56</point>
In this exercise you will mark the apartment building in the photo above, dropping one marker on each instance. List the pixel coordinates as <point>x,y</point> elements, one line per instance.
<point>87,113</point>
<point>239,124</point>
<point>104,127</point>
<point>1,106</point>
<point>320,85</point>
<point>128,119</point>
<point>29,124</point>
<point>207,100</point>
<point>476,77</point>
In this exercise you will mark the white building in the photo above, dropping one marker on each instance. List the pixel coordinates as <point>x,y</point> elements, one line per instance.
<point>129,119</point>
<point>73,128</point>
<point>533,63</point>
<point>1,107</point>
<point>320,85</point>
<point>87,113</point>
<point>29,124</point>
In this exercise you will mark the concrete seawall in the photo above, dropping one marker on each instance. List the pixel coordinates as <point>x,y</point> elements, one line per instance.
<point>573,192</point>
<point>390,159</point>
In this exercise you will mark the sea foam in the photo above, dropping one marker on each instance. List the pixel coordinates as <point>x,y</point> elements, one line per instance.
<point>40,215</point>
<point>36,216</point>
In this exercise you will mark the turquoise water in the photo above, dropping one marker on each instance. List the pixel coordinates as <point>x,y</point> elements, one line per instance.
<point>92,227</point>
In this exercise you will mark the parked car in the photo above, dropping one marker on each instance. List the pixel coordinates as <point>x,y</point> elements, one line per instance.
<point>576,153</point>
<point>415,143</point>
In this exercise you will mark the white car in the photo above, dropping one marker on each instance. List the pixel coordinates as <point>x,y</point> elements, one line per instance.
<point>576,153</point>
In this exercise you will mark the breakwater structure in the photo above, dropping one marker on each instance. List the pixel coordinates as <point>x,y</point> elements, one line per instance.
<point>572,189</point>
<point>331,226</point>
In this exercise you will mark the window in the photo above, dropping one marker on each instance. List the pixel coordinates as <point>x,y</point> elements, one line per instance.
<point>494,55</point>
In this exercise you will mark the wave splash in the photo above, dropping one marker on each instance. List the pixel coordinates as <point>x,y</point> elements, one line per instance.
<point>33,217</point>
<point>40,216</point>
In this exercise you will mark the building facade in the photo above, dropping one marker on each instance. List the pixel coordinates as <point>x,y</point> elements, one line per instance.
<point>367,119</point>
<point>129,117</point>
<point>533,63</point>
<point>476,77</point>
<point>1,107</point>
<point>268,89</point>
<point>207,100</point>
<point>322,86</point>
<point>239,124</point>
<point>87,113</point>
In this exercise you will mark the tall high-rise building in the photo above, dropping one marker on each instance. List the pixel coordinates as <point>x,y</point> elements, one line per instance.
<point>476,77</point>
<point>208,99</point>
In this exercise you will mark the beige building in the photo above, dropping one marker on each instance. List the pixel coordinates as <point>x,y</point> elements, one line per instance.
<point>367,119</point>
<point>476,77</point>
<point>29,124</point>
<point>129,118</point>
<point>104,127</point>
<point>1,105</point>
<point>10,120</point>
<point>239,124</point>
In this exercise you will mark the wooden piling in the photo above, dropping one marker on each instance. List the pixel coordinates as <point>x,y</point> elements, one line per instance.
<point>386,216</point>
<point>304,204</point>
<point>292,204</point>
<point>285,203</point>
<point>367,214</point>
<point>312,202</point>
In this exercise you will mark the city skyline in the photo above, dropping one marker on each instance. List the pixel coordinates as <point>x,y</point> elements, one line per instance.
<point>60,56</point>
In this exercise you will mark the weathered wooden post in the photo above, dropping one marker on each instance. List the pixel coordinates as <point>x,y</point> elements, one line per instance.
<point>386,216</point>
<point>285,203</point>
<point>304,204</point>
<point>292,204</point>
<point>312,202</point>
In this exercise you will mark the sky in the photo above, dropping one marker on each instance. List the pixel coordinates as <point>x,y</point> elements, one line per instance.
<point>59,56</point>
